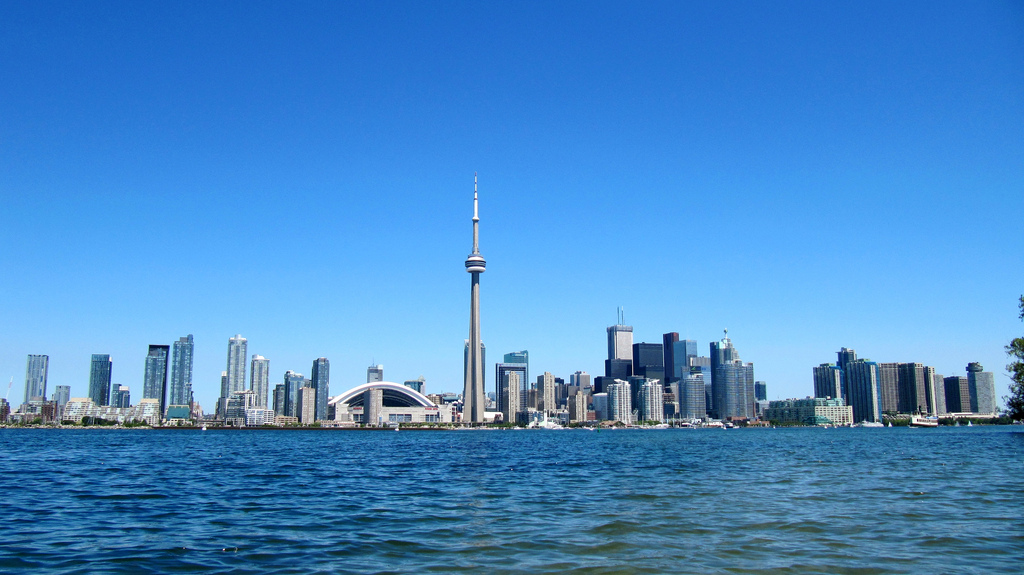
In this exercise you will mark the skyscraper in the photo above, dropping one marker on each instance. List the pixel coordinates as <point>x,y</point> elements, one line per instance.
<point>888,384</point>
<point>154,386</point>
<point>546,393</point>
<point>181,371</point>
<point>61,395</point>
<point>732,381</point>
<point>237,356</point>
<point>649,360</point>
<point>279,399</point>
<point>100,371</point>
<point>981,387</point>
<point>863,393</point>
<point>828,381</point>
<point>293,382</point>
<point>503,393</point>
<point>473,393</point>
<point>912,387</point>
<point>620,349</point>
<point>374,373</point>
<point>508,391</point>
<point>620,402</point>
<point>668,342</point>
<point>958,394</point>
<point>760,391</point>
<point>845,356</point>
<point>691,396</point>
<point>259,380</point>
<point>320,380</point>
<point>651,406</point>
<point>36,370</point>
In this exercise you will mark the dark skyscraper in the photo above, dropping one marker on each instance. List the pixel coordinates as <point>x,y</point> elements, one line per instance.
<point>828,380</point>
<point>100,369</point>
<point>862,391</point>
<point>845,356</point>
<point>154,386</point>
<point>912,386</point>
<point>181,371</point>
<point>293,382</point>
<point>760,391</point>
<point>668,342</point>
<point>320,378</point>
<point>649,360</point>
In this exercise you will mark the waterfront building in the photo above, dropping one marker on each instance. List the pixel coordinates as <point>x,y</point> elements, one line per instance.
<point>509,394</point>
<point>419,384</point>
<point>981,387</point>
<point>181,371</point>
<point>546,393</point>
<point>236,406</point>
<point>101,368</point>
<point>958,393</point>
<point>691,396</point>
<point>732,385</point>
<point>5,410</point>
<point>520,364</point>
<point>237,355</point>
<point>601,406</point>
<point>810,411</point>
<point>259,416</point>
<point>620,402</point>
<point>473,405</point>
<point>387,402</point>
<point>649,360</point>
<point>913,383</point>
<point>828,380</point>
<point>863,395</point>
<point>374,373</point>
<point>259,380</point>
<point>36,371</point>
<point>578,403</point>
<point>83,408</point>
<point>651,406</point>
<point>120,396</point>
<point>760,391</point>
<point>888,384</point>
<point>939,389</point>
<point>61,396</point>
<point>306,405</point>
<point>279,399</point>
<point>320,380</point>
<point>154,386</point>
<point>293,382</point>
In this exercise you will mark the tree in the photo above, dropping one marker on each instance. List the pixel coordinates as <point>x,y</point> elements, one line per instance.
<point>1015,402</point>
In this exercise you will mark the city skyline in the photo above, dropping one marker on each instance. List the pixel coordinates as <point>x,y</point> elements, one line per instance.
<point>809,177</point>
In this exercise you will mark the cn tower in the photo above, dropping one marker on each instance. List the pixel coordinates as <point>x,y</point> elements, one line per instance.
<point>473,396</point>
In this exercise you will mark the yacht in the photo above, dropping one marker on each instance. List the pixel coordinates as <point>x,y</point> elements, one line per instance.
<point>924,421</point>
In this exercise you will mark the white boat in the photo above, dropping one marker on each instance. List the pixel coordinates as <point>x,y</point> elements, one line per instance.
<point>924,421</point>
<point>869,424</point>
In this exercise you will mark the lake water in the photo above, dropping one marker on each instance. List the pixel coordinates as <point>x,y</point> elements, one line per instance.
<point>862,501</point>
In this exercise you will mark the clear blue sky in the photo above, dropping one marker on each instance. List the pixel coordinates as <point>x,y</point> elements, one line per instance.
<point>810,175</point>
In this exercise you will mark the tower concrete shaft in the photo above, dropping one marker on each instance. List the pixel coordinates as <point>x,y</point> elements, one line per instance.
<point>473,394</point>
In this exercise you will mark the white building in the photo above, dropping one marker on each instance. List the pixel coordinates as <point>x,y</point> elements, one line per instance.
<point>620,404</point>
<point>398,404</point>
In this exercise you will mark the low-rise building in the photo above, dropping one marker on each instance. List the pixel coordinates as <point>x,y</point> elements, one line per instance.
<point>810,411</point>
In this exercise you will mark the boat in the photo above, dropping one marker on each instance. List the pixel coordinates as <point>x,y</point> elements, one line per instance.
<point>969,424</point>
<point>924,421</point>
<point>869,424</point>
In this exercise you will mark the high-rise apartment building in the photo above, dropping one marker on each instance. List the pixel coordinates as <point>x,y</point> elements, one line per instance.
<point>912,387</point>
<point>691,396</point>
<point>828,381</point>
<point>374,373</point>
<point>61,396</point>
<point>863,394</point>
<point>320,380</point>
<point>509,387</point>
<point>938,388</point>
<point>306,405</point>
<point>668,346</point>
<point>981,386</point>
<point>293,382</point>
<point>845,356</point>
<point>154,386</point>
<point>651,406</point>
<point>504,393</point>
<point>259,380</point>
<point>620,402</point>
<point>888,385</point>
<point>100,371</point>
<point>760,391</point>
<point>279,399</point>
<point>36,371</point>
<point>181,371</point>
<point>120,396</point>
<point>732,383</point>
<point>546,393</point>
<point>958,394</point>
<point>238,348</point>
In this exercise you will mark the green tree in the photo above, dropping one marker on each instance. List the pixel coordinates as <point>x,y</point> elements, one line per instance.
<point>1015,402</point>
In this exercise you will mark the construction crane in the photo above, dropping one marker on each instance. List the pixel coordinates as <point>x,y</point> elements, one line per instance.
<point>9,385</point>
